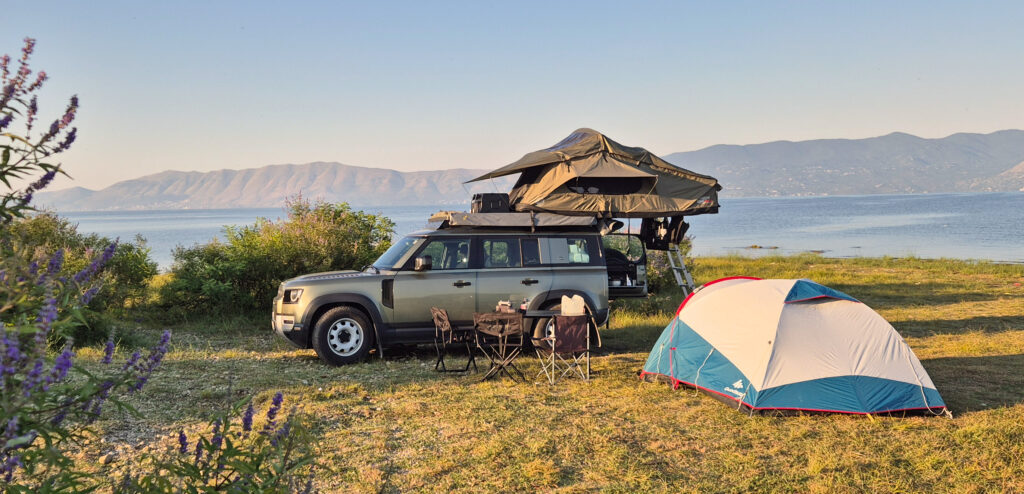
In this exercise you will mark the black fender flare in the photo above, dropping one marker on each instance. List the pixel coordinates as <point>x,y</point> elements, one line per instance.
<point>361,301</point>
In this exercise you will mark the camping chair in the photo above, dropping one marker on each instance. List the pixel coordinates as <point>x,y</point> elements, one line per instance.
<point>566,349</point>
<point>445,335</point>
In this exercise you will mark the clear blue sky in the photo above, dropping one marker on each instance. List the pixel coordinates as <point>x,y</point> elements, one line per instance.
<point>430,85</point>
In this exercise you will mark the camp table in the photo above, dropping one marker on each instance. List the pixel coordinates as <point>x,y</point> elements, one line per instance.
<point>499,335</point>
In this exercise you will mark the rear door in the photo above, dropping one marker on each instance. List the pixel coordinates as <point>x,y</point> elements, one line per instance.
<point>510,269</point>
<point>626,258</point>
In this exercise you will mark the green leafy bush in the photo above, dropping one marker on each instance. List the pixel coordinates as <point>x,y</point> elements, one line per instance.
<point>242,273</point>
<point>659,271</point>
<point>122,284</point>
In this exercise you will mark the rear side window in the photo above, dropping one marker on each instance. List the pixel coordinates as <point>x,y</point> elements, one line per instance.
<point>569,250</point>
<point>579,250</point>
<point>501,253</point>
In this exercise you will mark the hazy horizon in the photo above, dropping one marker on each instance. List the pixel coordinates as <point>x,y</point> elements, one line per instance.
<point>415,86</point>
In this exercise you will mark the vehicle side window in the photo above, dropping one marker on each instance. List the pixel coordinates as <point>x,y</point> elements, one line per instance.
<point>447,253</point>
<point>501,253</point>
<point>579,250</point>
<point>531,252</point>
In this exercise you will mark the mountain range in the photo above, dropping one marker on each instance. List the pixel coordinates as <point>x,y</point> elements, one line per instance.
<point>891,164</point>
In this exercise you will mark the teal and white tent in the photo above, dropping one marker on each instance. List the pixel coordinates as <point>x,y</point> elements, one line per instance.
<point>790,345</point>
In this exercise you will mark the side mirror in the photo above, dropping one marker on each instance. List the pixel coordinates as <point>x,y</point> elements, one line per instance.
<point>423,263</point>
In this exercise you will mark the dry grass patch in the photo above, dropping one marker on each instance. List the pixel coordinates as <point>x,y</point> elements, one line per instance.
<point>395,425</point>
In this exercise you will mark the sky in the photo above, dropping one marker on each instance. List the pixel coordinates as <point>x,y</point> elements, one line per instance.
<point>470,84</point>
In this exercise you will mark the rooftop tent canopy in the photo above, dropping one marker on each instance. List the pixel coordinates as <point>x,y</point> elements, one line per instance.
<point>588,173</point>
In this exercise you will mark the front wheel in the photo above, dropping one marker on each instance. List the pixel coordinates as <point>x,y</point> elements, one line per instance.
<point>342,335</point>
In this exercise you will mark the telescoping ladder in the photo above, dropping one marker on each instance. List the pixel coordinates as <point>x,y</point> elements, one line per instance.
<point>678,264</point>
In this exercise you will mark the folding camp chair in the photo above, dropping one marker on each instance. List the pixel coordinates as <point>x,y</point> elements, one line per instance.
<point>445,336</point>
<point>566,350</point>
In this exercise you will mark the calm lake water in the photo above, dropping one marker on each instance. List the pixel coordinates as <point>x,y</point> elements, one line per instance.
<point>966,226</point>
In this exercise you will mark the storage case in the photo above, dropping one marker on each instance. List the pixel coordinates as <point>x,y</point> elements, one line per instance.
<point>490,203</point>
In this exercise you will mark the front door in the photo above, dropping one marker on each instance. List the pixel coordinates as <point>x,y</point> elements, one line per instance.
<point>450,284</point>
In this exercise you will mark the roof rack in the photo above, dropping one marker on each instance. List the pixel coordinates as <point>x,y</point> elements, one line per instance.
<point>450,219</point>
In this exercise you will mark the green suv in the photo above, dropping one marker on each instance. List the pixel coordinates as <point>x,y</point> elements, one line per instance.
<point>344,314</point>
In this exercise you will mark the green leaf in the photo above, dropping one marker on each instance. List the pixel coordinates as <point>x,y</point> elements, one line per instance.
<point>19,441</point>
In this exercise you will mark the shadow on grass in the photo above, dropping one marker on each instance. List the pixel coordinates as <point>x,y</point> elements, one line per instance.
<point>986,324</point>
<point>978,383</point>
<point>895,295</point>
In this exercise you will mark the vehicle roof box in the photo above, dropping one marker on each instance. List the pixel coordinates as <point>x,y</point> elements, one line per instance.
<point>490,202</point>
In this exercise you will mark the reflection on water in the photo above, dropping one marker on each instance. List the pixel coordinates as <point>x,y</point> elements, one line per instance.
<point>967,226</point>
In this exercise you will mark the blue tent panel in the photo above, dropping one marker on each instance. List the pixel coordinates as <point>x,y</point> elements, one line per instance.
<point>683,356</point>
<point>850,394</point>
<point>809,290</point>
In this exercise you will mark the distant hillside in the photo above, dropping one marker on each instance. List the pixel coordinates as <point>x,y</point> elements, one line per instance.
<point>892,164</point>
<point>270,185</point>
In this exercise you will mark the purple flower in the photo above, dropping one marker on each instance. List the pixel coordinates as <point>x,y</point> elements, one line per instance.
<point>156,355</point>
<point>61,366</point>
<point>282,433</point>
<point>183,441</point>
<point>40,79</point>
<point>4,62</point>
<point>199,451</point>
<point>68,140</point>
<point>275,406</point>
<point>88,295</point>
<point>7,94</point>
<point>33,107</point>
<point>247,418</point>
<point>97,406</point>
<point>33,378</point>
<point>6,120</point>
<point>132,360</point>
<point>57,260</point>
<point>12,354</point>
<point>217,437</point>
<point>26,51</point>
<point>47,314</point>
<point>108,351</point>
<point>86,274</point>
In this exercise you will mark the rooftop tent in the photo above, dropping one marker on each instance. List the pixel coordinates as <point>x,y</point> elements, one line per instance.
<point>588,173</point>
<point>795,345</point>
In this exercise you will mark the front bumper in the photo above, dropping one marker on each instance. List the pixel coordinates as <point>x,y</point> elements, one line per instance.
<point>288,326</point>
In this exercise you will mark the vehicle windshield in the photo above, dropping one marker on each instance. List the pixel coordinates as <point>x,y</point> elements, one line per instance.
<point>397,251</point>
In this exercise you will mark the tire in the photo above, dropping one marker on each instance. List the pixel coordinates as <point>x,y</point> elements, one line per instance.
<point>545,326</point>
<point>342,335</point>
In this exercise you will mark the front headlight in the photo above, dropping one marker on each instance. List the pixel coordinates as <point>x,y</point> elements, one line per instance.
<point>292,296</point>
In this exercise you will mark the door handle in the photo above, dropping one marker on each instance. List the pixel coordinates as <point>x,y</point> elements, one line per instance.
<point>529,281</point>
<point>461,283</point>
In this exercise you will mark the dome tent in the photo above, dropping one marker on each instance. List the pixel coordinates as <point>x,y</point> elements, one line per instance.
<point>790,345</point>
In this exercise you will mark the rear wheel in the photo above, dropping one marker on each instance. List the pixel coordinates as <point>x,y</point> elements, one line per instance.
<point>342,335</point>
<point>545,327</point>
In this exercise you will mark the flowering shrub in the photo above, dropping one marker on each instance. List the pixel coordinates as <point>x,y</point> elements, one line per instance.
<point>233,456</point>
<point>22,155</point>
<point>47,404</point>
<point>42,408</point>
<point>124,279</point>
<point>243,273</point>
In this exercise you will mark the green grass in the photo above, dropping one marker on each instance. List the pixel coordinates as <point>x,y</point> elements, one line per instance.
<point>395,425</point>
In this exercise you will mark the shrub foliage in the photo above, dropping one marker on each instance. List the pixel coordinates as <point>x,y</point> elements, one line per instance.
<point>242,273</point>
